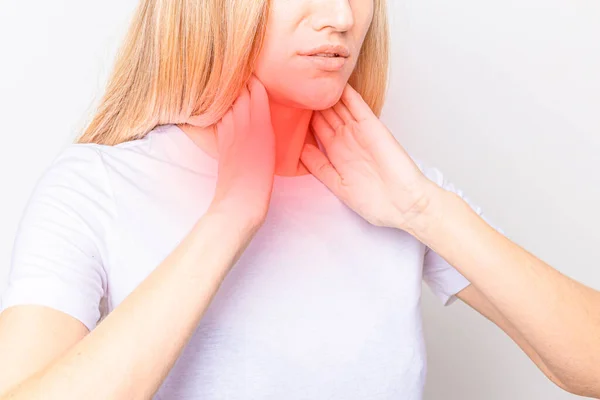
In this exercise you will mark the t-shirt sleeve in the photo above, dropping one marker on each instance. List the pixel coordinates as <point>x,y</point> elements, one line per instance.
<point>59,246</point>
<point>441,277</point>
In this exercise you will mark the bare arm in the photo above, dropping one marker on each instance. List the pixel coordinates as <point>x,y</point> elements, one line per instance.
<point>368,169</point>
<point>114,360</point>
<point>558,317</point>
<point>477,301</point>
<point>31,337</point>
<point>129,354</point>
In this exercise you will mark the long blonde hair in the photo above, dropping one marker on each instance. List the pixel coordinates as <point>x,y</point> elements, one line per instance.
<point>183,58</point>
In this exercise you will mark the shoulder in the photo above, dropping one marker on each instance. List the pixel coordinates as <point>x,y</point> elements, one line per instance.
<point>94,153</point>
<point>74,186</point>
<point>77,155</point>
<point>90,160</point>
<point>74,162</point>
<point>77,166</point>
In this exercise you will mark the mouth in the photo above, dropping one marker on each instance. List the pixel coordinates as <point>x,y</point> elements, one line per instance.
<point>329,51</point>
<point>334,55</point>
<point>327,57</point>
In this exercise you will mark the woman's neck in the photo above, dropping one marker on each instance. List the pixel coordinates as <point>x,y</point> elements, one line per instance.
<point>291,128</point>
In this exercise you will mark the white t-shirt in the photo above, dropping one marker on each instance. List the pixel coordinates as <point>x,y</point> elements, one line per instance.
<point>321,305</point>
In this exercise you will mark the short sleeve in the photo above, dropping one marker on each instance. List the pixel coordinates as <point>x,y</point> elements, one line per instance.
<point>59,246</point>
<point>441,277</point>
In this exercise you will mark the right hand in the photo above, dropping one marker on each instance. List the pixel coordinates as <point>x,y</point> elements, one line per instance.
<point>246,147</point>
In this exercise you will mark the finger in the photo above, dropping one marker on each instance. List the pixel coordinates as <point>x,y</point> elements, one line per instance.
<point>318,164</point>
<point>322,129</point>
<point>260,108</point>
<point>255,85</point>
<point>332,118</point>
<point>258,92</point>
<point>341,110</point>
<point>355,104</point>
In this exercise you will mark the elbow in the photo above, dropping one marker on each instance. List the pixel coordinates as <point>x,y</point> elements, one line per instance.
<point>587,386</point>
<point>589,391</point>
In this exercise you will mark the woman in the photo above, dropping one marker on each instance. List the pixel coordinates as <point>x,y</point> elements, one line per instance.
<point>239,254</point>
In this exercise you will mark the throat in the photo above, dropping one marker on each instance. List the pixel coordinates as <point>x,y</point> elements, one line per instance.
<point>288,157</point>
<point>288,148</point>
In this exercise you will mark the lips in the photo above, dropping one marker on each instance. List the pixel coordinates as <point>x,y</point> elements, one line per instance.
<point>328,50</point>
<point>327,64</point>
<point>326,55</point>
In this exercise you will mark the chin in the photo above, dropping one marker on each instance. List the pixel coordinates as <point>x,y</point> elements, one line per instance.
<point>310,94</point>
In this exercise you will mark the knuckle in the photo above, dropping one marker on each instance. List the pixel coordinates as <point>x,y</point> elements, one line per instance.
<point>323,168</point>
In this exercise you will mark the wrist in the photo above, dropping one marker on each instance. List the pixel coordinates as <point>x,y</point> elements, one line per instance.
<point>429,213</point>
<point>236,217</point>
<point>219,239</point>
<point>234,228</point>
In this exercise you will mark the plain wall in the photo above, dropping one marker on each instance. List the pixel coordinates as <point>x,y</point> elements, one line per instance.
<point>502,96</point>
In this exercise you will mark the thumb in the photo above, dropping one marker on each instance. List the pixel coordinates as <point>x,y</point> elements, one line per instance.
<point>319,165</point>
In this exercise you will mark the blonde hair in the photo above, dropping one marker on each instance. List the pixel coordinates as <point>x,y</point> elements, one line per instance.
<point>183,58</point>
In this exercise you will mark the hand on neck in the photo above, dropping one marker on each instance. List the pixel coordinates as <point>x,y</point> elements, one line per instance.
<point>291,129</point>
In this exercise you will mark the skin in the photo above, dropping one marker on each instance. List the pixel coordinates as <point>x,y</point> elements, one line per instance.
<point>294,27</point>
<point>44,351</point>
<point>366,159</point>
<point>45,354</point>
<point>551,317</point>
<point>372,162</point>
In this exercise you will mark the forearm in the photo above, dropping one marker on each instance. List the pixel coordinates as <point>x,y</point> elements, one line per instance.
<point>556,315</point>
<point>131,352</point>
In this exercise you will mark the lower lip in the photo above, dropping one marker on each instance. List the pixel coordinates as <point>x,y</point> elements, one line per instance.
<point>327,63</point>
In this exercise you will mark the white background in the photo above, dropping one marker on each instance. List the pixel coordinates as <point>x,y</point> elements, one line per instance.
<point>502,96</point>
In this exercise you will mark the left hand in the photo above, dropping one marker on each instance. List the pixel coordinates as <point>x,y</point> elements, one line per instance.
<point>365,166</point>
